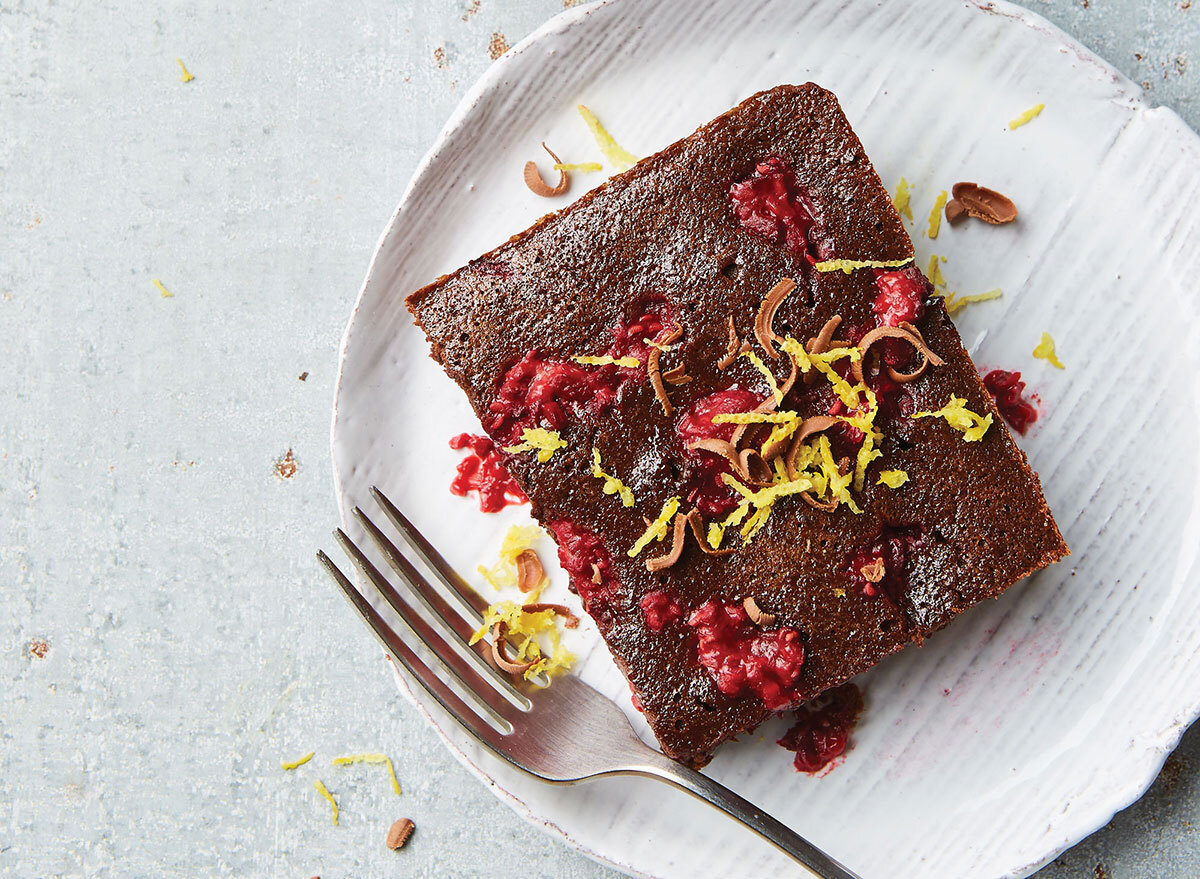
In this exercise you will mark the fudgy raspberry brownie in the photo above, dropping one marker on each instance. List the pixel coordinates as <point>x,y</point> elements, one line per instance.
<point>765,456</point>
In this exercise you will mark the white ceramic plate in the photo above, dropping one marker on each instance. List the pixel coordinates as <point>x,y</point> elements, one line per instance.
<point>1030,721</point>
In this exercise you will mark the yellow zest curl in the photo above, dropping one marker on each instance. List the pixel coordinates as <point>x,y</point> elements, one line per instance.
<point>608,360</point>
<point>657,529</point>
<point>955,303</point>
<point>382,759</point>
<point>958,416</point>
<point>546,442</point>
<point>935,271</point>
<point>1026,117</point>
<point>901,199</point>
<point>324,791</point>
<point>582,167</point>
<point>621,159</point>
<point>1045,351</point>
<point>293,764</point>
<point>612,485</point>
<point>892,478</point>
<point>767,374</point>
<point>849,265</point>
<point>935,215</point>
<point>186,76</point>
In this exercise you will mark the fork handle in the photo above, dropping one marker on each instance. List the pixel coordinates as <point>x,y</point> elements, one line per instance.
<point>773,831</point>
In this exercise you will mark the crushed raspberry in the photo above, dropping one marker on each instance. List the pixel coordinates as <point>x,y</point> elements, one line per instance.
<point>893,546</point>
<point>539,391</point>
<point>901,296</point>
<point>739,655</point>
<point>822,729</point>
<point>1008,389</point>
<point>482,471</point>
<point>770,205</point>
<point>578,550</point>
<point>659,608</point>
<point>705,489</point>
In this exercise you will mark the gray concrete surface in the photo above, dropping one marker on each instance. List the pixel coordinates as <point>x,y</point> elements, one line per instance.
<point>149,535</point>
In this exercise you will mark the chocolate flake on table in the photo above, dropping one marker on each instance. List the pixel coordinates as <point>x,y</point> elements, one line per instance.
<point>766,315</point>
<point>757,616</point>
<point>399,833</point>
<point>984,204</point>
<point>538,186</point>
<point>956,211</point>
<point>530,572</point>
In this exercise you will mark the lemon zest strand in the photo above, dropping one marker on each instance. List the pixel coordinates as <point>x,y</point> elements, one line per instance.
<point>166,294</point>
<point>901,199</point>
<point>892,478</point>
<point>582,167</point>
<point>184,74</point>
<point>612,485</point>
<point>1045,351</point>
<point>382,759</point>
<point>324,791</point>
<point>1026,117</point>
<point>292,764</point>
<point>849,265</point>
<point>657,529</point>
<point>957,415</point>
<point>546,442</point>
<point>935,215</point>
<point>619,157</point>
<point>607,360</point>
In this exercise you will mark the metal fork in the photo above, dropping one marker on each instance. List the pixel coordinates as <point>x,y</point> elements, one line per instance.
<point>565,733</point>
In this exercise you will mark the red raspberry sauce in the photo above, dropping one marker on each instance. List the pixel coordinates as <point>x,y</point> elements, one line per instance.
<point>1008,389</point>
<point>822,729</point>
<point>892,545</point>
<point>705,489</point>
<point>769,204</point>
<point>539,391</point>
<point>659,608</point>
<point>578,550</point>
<point>482,471</point>
<point>900,298</point>
<point>740,656</point>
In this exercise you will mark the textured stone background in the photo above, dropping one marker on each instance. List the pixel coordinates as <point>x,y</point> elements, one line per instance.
<point>164,472</point>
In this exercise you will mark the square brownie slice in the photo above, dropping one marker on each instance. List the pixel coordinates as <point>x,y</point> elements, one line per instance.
<point>771,461</point>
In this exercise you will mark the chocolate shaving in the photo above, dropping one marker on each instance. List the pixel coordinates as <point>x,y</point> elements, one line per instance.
<point>676,376</point>
<point>984,204</point>
<point>735,347</point>
<point>529,570</point>
<point>873,570</point>
<point>697,522</point>
<point>824,339</point>
<point>569,619</point>
<point>757,616</point>
<point>747,464</point>
<point>596,576</point>
<point>498,645</point>
<point>662,562</point>
<point>399,833</point>
<point>766,315</point>
<point>955,211</point>
<point>533,178</point>
<point>808,427</point>
<point>908,333</point>
<point>652,369</point>
<point>824,506</point>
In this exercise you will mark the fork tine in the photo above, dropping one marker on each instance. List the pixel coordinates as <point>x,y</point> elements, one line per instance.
<point>456,584</point>
<point>438,608</point>
<point>444,656</point>
<point>417,670</point>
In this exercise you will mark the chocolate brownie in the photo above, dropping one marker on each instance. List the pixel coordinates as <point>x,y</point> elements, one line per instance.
<point>744,543</point>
